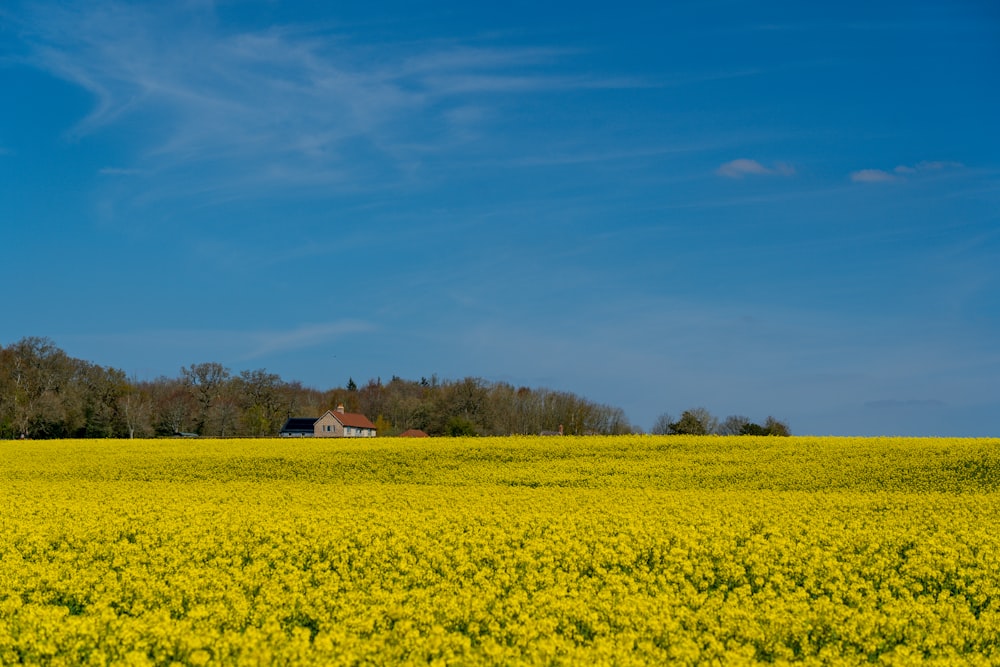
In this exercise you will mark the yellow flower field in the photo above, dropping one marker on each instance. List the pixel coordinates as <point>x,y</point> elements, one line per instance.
<point>590,550</point>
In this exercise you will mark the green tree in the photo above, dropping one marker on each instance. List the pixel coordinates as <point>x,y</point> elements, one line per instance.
<point>383,427</point>
<point>259,400</point>
<point>696,421</point>
<point>458,426</point>
<point>99,393</point>
<point>775,427</point>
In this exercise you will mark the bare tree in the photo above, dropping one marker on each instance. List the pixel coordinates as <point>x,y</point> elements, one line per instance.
<point>40,372</point>
<point>136,408</point>
<point>662,425</point>
<point>205,382</point>
<point>734,425</point>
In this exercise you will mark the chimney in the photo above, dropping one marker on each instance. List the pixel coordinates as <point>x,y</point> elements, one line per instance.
<point>340,408</point>
<point>560,429</point>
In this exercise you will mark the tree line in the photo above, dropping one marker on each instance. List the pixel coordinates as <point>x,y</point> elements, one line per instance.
<point>45,393</point>
<point>699,421</point>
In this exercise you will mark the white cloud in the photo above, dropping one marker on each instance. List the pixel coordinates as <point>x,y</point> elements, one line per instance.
<point>902,172</point>
<point>873,176</point>
<point>270,342</point>
<point>745,167</point>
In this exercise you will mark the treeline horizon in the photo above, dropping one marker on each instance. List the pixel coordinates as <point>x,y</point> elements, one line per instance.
<point>45,393</point>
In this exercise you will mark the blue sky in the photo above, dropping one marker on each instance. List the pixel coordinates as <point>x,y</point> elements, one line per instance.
<point>756,207</point>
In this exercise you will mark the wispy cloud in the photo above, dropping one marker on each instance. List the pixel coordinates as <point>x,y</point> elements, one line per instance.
<point>255,108</point>
<point>746,167</point>
<point>902,172</point>
<point>873,176</point>
<point>570,157</point>
<point>306,336</point>
<point>927,166</point>
<point>118,171</point>
<point>228,345</point>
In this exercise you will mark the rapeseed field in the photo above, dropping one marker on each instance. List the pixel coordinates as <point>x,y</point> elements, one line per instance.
<point>625,550</point>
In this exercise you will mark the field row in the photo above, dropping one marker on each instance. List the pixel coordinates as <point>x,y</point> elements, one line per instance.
<point>910,465</point>
<point>109,556</point>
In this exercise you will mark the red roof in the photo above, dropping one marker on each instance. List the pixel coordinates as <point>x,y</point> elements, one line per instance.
<point>413,433</point>
<point>353,419</point>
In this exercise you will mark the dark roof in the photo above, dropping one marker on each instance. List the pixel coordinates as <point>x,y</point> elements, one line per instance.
<point>299,424</point>
<point>351,419</point>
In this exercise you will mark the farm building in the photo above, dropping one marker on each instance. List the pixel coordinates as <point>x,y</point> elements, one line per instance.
<point>299,427</point>
<point>333,424</point>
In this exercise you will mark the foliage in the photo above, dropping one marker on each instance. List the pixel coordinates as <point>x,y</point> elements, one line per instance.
<point>384,427</point>
<point>697,421</point>
<point>44,393</point>
<point>458,427</point>
<point>605,550</point>
<point>774,427</point>
<point>740,425</point>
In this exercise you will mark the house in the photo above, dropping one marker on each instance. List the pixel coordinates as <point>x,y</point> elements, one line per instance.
<point>333,424</point>
<point>340,424</point>
<point>413,433</point>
